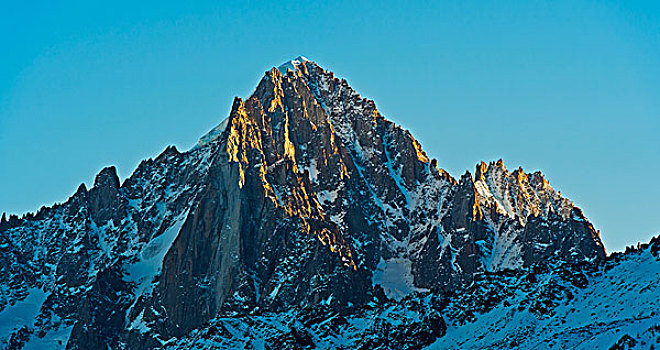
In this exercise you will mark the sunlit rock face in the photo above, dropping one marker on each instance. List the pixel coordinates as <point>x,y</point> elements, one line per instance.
<point>304,197</point>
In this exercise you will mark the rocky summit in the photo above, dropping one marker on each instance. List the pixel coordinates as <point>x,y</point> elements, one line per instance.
<point>308,220</point>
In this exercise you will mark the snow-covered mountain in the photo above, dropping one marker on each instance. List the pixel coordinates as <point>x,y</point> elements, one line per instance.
<point>308,219</point>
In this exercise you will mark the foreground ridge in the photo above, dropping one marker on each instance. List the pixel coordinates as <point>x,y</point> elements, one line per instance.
<point>304,208</point>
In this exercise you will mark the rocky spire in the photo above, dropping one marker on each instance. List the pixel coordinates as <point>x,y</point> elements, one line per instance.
<point>3,221</point>
<point>105,198</point>
<point>481,169</point>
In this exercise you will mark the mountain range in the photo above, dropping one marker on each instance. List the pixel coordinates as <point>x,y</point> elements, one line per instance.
<point>306,219</point>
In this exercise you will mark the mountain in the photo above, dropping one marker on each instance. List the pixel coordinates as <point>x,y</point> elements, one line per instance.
<point>307,219</point>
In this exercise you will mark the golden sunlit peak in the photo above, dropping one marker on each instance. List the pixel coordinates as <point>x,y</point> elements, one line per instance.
<point>519,174</point>
<point>480,171</point>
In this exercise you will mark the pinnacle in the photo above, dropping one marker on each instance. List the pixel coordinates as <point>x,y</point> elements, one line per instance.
<point>107,175</point>
<point>481,169</point>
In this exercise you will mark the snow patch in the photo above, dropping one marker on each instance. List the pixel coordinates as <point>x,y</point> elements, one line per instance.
<point>395,276</point>
<point>151,258</point>
<point>23,313</point>
<point>56,339</point>
<point>139,324</point>
<point>616,302</point>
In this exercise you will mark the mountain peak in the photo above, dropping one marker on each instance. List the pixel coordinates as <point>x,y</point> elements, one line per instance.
<point>292,64</point>
<point>305,196</point>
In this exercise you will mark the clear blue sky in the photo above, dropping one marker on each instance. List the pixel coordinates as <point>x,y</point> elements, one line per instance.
<point>571,88</point>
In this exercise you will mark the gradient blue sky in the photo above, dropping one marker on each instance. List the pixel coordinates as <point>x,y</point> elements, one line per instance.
<point>571,88</point>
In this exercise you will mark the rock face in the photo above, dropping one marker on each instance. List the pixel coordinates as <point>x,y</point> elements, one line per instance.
<point>306,196</point>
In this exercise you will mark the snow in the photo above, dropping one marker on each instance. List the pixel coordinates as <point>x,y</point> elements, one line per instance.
<point>313,171</point>
<point>622,300</point>
<point>23,313</point>
<point>506,252</point>
<point>292,64</point>
<point>151,258</point>
<point>56,339</point>
<point>395,175</point>
<point>483,189</point>
<point>274,292</point>
<point>328,196</point>
<point>139,324</point>
<point>395,276</point>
